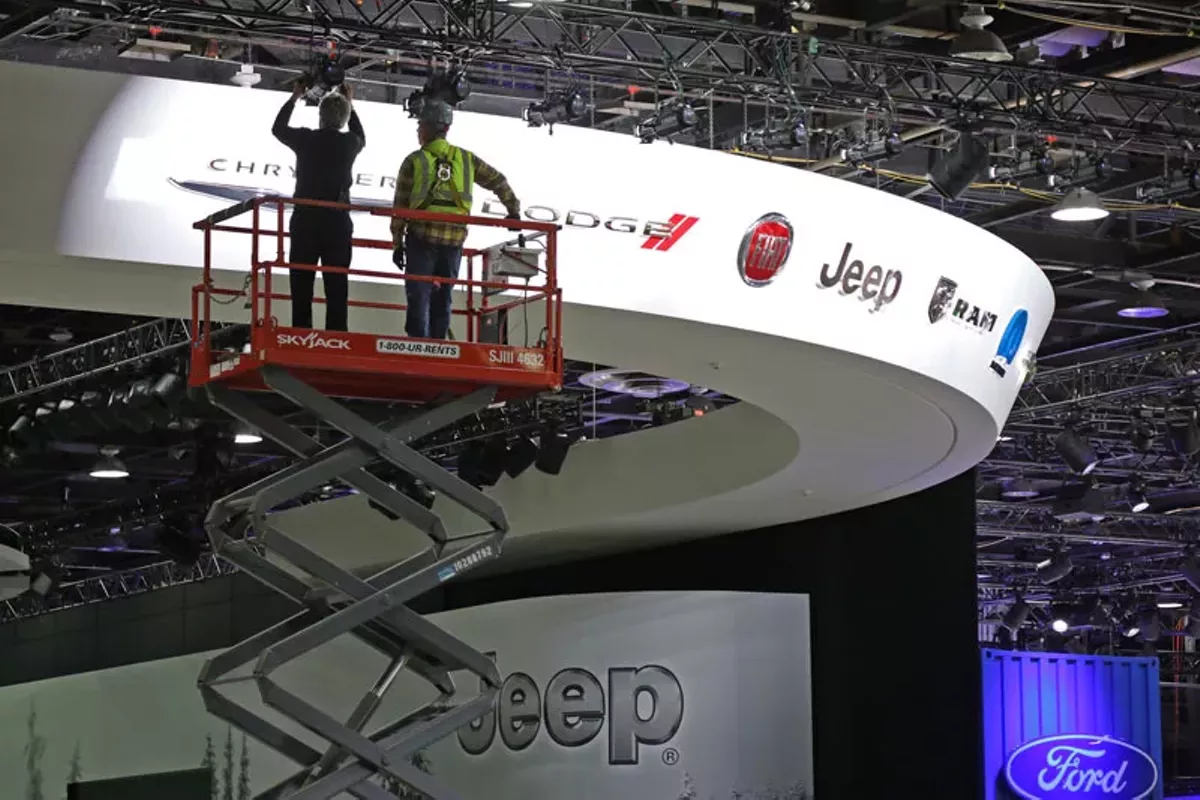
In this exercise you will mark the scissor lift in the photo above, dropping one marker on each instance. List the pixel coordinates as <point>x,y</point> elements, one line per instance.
<point>449,381</point>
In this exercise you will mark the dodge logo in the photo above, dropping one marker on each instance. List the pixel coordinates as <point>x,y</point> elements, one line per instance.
<point>765,249</point>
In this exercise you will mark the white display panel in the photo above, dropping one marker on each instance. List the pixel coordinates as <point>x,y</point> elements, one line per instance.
<point>578,717</point>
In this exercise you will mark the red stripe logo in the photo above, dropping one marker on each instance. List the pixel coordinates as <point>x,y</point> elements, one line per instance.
<point>680,225</point>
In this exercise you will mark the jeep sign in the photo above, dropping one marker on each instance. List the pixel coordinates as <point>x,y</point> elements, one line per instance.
<point>574,710</point>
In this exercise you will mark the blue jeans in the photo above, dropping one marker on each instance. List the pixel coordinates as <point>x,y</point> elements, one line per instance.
<point>428,315</point>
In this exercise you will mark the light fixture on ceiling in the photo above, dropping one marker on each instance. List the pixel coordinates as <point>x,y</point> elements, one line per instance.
<point>1168,604</point>
<point>246,77</point>
<point>1144,305</point>
<point>1059,622</point>
<point>1018,489</point>
<point>1076,451</point>
<point>1149,625</point>
<point>977,43</point>
<point>246,435</point>
<point>1055,568</point>
<point>109,467</point>
<point>1079,205</point>
<point>1016,615</point>
<point>1184,435</point>
<point>953,173</point>
<point>61,335</point>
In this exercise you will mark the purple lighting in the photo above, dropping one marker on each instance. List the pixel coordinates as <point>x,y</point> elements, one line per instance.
<point>1142,312</point>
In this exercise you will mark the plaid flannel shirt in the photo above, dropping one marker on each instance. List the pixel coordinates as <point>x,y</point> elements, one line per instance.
<point>446,233</point>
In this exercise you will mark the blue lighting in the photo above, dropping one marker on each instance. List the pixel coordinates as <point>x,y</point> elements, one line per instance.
<point>1142,312</point>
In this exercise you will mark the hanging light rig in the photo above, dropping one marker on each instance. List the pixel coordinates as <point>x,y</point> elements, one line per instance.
<point>448,85</point>
<point>557,107</point>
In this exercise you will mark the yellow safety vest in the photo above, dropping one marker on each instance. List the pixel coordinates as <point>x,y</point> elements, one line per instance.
<point>443,176</point>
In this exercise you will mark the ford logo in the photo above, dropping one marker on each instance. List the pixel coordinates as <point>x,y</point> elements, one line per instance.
<point>1079,765</point>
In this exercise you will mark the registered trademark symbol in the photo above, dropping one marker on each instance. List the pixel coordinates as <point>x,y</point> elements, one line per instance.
<point>670,756</point>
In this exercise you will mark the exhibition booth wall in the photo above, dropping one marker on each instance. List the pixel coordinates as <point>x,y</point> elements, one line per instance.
<point>616,695</point>
<point>880,703</point>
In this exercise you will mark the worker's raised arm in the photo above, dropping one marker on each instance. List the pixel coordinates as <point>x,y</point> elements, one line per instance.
<point>404,187</point>
<point>356,128</point>
<point>491,179</point>
<point>281,129</point>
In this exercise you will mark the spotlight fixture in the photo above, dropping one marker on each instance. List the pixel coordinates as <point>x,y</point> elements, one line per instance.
<point>1129,626</point>
<point>1059,619</point>
<point>1076,452</point>
<point>521,455</point>
<point>1018,489</point>
<point>448,86</point>
<point>552,450</point>
<point>108,467</point>
<point>1079,205</point>
<point>1055,568</point>
<point>557,107</point>
<point>1016,615</point>
<point>955,170</point>
<point>1141,436</point>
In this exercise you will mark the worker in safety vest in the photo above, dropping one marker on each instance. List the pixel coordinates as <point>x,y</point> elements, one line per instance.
<point>438,178</point>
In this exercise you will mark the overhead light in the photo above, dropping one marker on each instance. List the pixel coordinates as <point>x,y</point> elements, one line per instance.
<point>1129,627</point>
<point>1169,604</point>
<point>1146,306</point>
<point>1137,501</point>
<point>1059,623</point>
<point>552,451</point>
<point>109,467</point>
<point>521,455</point>
<point>1076,451</point>
<point>975,42</point>
<point>1079,205</point>
<point>246,435</point>
<point>61,335</point>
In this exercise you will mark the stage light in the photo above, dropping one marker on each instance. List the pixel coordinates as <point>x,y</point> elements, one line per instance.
<point>1168,605</point>
<point>1055,568</point>
<point>521,455</point>
<point>1059,625</point>
<point>552,451</point>
<point>1144,305</point>
<point>468,461</point>
<point>1076,452</point>
<point>1138,502</point>
<point>955,171</point>
<point>493,458</point>
<point>1016,615</point>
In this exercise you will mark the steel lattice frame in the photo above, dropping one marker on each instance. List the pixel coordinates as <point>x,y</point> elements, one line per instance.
<point>115,585</point>
<point>603,43</point>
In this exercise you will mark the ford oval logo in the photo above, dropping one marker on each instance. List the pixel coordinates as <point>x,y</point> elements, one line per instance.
<point>1079,766</point>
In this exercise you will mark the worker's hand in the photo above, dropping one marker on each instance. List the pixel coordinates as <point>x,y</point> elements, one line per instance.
<point>347,91</point>
<point>513,215</point>
<point>398,257</point>
<point>298,87</point>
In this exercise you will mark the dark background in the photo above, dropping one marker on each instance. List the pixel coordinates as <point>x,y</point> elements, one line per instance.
<point>896,676</point>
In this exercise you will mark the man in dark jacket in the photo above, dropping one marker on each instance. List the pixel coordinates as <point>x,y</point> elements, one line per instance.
<point>324,171</point>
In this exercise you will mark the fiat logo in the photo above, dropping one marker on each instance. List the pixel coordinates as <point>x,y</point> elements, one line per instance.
<point>765,249</point>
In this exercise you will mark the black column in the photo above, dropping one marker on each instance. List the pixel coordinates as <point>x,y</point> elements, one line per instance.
<point>896,677</point>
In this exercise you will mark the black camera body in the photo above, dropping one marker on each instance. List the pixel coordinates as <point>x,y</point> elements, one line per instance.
<point>324,75</point>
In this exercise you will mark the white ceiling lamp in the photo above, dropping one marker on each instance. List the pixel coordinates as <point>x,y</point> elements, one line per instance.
<point>246,77</point>
<point>975,41</point>
<point>244,435</point>
<point>109,467</point>
<point>1079,205</point>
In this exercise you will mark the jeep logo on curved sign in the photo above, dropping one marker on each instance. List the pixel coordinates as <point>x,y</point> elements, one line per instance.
<point>575,708</point>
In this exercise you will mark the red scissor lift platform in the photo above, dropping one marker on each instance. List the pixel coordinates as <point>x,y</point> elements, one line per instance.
<point>449,380</point>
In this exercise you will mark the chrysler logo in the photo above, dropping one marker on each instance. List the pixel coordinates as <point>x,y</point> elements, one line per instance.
<point>765,249</point>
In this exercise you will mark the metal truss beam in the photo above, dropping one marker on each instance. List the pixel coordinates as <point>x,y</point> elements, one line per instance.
<point>113,585</point>
<point>153,339</point>
<point>1031,521</point>
<point>1145,365</point>
<point>605,42</point>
